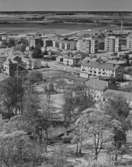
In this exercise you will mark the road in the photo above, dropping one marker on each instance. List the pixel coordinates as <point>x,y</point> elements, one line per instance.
<point>58,66</point>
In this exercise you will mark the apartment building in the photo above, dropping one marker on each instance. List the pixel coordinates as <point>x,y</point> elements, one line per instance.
<point>16,61</point>
<point>65,44</point>
<point>111,44</point>
<point>72,59</point>
<point>129,42</point>
<point>102,70</point>
<point>33,42</point>
<point>115,43</point>
<point>47,42</point>
<point>87,45</point>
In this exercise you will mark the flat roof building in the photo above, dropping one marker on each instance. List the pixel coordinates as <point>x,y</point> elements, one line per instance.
<point>129,42</point>
<point>88,45</point>
<point>115,43</point>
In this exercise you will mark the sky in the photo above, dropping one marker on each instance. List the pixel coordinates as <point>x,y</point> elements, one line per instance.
<point>45,5</point>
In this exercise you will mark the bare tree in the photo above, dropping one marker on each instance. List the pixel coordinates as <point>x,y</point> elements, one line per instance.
<point>16,149</point>
<point>92,124</point>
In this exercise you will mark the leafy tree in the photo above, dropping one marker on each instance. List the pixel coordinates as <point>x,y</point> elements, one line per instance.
<point>38,118</point>
<point>21,44</point>
<point>112,83</point>
<point>39,43</point>
<point>4,44</point>
<point>118,108</point>
<point>11,95</point>
<point>11,43</point>
<point>16,149</point>
<point>18,68</point>
<point>75,102</point>
<point>36,53</point>
<point>36,113</point>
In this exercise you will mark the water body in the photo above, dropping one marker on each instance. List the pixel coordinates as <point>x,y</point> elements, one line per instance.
<point>45,28</point>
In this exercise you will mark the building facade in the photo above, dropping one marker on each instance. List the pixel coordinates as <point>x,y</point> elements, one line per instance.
<point>72,59</point>
<point>65,44</point>
<point>103,70</point>
<point>111,44</point>
<point>88,45</point>
<point>129,42</point>
<point>96,88</point>
<point>115,43</point>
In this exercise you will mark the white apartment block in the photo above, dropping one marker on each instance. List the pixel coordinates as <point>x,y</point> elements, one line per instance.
<point>65,44</point>
<point>111,44</point>
<point>115,43</point>
<point>87,45</point>
<point>100,69</point>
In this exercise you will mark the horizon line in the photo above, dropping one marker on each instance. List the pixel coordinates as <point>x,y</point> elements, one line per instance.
<point>67,10</point>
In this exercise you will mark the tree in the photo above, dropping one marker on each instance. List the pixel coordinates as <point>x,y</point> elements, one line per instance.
<point>11,96</point>
<point>34,77</point>
<point>36,53</point>
<point>38,118</point>
<point>16,149</point>
<point>59,157</point>
<point>49,88</point>
<point>98,123</point>
<point>92,124</point>
<point>21,44</point>
<point>79,134</point>
<point>4,44</point>
<point>112,83</point>
<point>11,43</point>
<point>36,112</point>
<point>75,102</point>
<point>118,108</point>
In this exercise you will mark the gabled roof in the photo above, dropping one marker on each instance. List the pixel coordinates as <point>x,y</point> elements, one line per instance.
<point>95,64</point>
